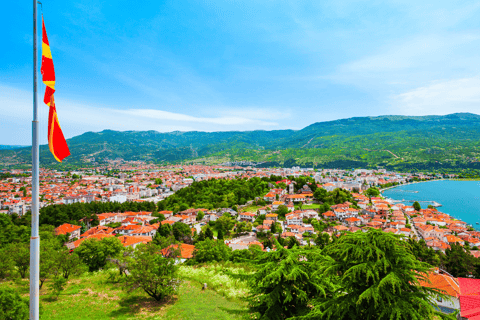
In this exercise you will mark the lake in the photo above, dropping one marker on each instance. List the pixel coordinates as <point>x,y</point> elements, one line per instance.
<point>460,199</point>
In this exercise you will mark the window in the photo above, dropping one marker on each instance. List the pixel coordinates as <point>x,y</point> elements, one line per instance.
<point>439,299</point>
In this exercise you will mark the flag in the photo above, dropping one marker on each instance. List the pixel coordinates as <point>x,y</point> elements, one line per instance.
<point>56,141</point>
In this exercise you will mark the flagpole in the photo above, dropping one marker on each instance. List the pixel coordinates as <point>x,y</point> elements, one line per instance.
<point>34,238</point>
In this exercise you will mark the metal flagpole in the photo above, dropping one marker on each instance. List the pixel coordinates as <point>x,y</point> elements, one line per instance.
<point>34,238</point>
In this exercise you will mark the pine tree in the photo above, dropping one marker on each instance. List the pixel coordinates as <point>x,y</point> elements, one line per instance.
<point>286,282</point>
<point>379,279</point>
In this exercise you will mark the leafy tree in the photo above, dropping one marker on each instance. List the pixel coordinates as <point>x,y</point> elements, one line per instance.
<point>153,273</point>
<point>158,181</point>
<point>285,282</point>
<point>165,230</point>
<point>94,252</point>
<point>200,215</point>
<point>458,261</point>
<point>12,305</point>
<point>292,241</point>
<point>57,286</point>
<point>20,253</point>
<point>322,240</point>
<point>273,228</point>
<point>424,253</point>
<point>225,223</point>
<point>48,258</point>
<point>68,264</point>
<point>211,250</point>
<point>320,194</point>
<point>417,206</point>
<point>372,192</point>
<point>282,211</point>
<point>208,233</point>
<point>378,278</point>
<point>182,231</point>
<point>220,234</point>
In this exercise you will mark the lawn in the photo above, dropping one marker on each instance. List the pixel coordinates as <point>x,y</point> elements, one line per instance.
<point>93,297</point>
<point>311,206</point>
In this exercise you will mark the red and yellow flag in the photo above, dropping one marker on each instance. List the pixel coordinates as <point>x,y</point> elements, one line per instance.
<point>56,141</point>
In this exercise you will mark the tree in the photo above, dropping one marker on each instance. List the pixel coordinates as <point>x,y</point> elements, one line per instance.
<point>48,258</point>
<point>209,233</point>
<point>372,192</point>
<point>12,305</point>
<point>292,241</point>
<point>94,252</point>
<point>273,228</point>
<point>153,273</point>
<point>458,261</point>
<point>181,231</point>
<point>282,211</point>
<point>225,223</point>
<point>285,282</point>
<point>220,234</point>
<point>320,194</point>
<point>158,181</point>
<point>424,253</point>
<point>57,286</point>
<point>68,264</point>
<point>378,278</point>
<point>200,215</point>
<point>322,240</point>
<point>417,206</point>
<point>211,250</point>
<point>20,253</point>
<point>165,230</point>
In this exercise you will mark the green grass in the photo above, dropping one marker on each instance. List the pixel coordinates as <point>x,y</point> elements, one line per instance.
<point>311,206</point>
<point>93,297</point>
<point>251,208</point>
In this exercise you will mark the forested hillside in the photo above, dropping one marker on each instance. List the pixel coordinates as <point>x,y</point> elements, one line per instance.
<point>396,142</point>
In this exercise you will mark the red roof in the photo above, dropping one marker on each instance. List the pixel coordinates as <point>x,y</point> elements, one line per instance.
<point>469,286</point>
<point>66,228</point>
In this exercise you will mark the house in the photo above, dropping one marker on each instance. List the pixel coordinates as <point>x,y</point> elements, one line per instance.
<point>296,198</point>
<point>144,231</point>
<point>67,228</point>
<point>294,218</point>
<point>329,215</point>
<point>247,216</point>
<point>353,221</point>
<point>272,216</point>
<point>449,285</point>
<point>469,298</point>
<point>77,243</point>
<point>133,241</point>
<point>185,251</point>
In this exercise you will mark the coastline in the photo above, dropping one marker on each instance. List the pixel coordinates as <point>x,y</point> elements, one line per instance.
<point>455,214</point>
<point>414,182</point>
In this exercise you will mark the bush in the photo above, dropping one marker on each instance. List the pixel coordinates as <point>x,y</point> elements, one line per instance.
<point>12,305</point>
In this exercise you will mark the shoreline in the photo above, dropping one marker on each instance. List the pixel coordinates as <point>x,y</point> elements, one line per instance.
<point>415,182</point>
<point>473,225</point>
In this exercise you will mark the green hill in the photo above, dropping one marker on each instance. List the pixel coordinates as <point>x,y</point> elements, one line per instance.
<point>397,142</point>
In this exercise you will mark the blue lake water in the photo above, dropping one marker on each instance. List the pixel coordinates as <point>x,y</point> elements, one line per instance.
<point>460,199</point>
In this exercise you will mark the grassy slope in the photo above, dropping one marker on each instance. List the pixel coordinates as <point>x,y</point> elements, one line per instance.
<point>92,297</point>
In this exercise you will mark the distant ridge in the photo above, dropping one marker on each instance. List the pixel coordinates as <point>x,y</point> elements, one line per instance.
<point>391,141</point>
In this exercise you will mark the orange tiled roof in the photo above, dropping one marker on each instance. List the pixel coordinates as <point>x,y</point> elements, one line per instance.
<point>66,228</point>
<point>442,282</point>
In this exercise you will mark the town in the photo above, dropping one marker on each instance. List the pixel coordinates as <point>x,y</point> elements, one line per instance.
<point>295,214</point>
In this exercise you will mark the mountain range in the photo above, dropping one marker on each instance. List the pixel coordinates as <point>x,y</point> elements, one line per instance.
<point>396,142</point>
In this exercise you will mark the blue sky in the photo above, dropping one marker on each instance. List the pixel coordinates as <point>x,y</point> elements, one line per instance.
<point>239,65</point>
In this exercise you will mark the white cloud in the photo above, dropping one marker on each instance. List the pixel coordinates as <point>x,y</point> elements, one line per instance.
<point>441,97</point>
<point>77,118</point>
<point>165,115</point>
